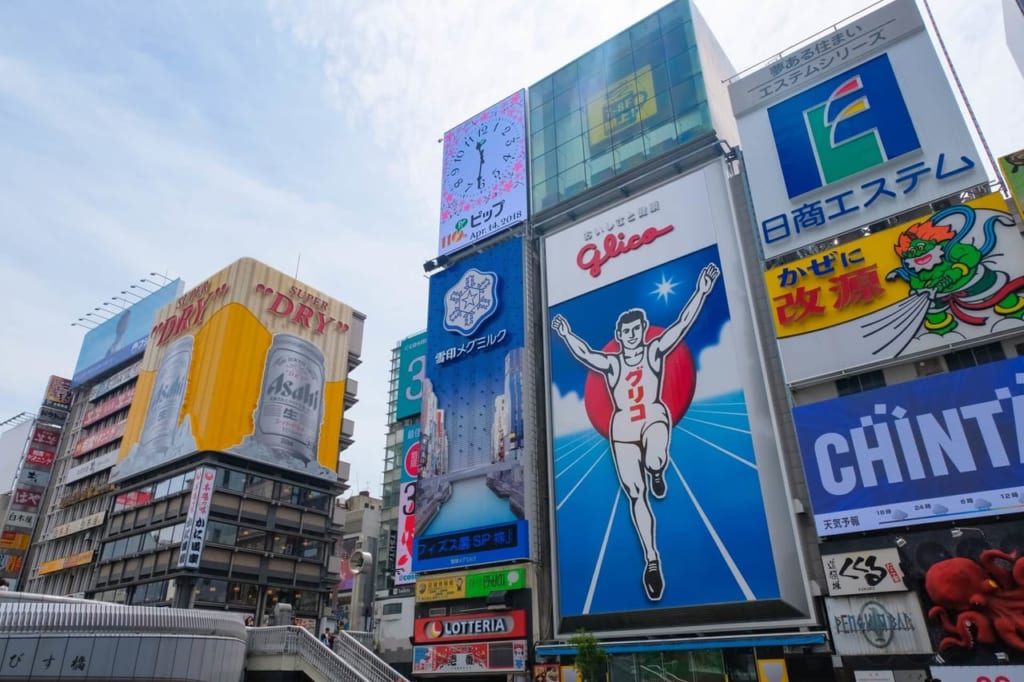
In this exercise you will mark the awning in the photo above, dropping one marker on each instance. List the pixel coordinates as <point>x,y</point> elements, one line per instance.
<point>679,644</point>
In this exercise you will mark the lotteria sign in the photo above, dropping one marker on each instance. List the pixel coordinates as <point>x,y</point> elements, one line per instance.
<point>505,625</point>
<point>944,447</point>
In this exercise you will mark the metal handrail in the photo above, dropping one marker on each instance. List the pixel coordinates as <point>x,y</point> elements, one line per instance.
<point>296,641</point>
<point>21,615</point>
<point>376,669</point>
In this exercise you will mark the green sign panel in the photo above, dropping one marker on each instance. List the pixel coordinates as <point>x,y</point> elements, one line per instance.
<point>482,583</point>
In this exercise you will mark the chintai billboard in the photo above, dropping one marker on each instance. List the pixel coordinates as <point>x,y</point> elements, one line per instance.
<point>950,277</point>
<point>250,362</point>
<point>662,449</point>
<point>947,447</point>
<point>469,497</point>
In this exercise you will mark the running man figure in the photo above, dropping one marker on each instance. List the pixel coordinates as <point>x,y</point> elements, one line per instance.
<point>640,427</point>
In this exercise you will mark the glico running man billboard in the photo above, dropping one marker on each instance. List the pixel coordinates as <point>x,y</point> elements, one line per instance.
<point>860,125</point>
<point>250,362</point>
<point>121,337</point>
<point>469,498</point>
<point>947,278</point>
<point>946,447</point>
<point>661,449</point>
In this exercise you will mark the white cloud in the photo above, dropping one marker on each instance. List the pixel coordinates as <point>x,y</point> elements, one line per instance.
<point>568,413</point>
<point>718,367</point>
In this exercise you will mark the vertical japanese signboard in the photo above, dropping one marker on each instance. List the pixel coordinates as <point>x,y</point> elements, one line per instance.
<point>469,497</point>
<point>412,366</point>
<point>860,125</point>
<point>948,278</point>
<point>654,405</point>
<point>407,506</point>
<point>194,535</point>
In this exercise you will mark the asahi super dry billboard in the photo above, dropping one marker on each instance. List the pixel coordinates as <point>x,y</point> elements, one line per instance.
<point>250,362</point>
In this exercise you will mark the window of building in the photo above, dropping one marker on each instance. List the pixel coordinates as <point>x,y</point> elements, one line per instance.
<point>230,480</point>
<point>221,533</point>
<point>211,591</point>
<point>972,357</point>
<point>257,486</point>
<point>243,594</point>
<point>311,549</point>
<point>251,538</point>
<point>860,382</point>
<point>392,608</point>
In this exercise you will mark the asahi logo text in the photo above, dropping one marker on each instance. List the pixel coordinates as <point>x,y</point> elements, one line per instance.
<point>302,314</point>
<point>304,394</point>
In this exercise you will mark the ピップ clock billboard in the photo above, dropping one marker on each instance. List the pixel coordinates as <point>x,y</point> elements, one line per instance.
<point>483,177</point>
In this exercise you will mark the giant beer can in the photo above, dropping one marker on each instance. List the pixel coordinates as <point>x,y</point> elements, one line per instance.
<point>167,398</point>
<point>291,405</point>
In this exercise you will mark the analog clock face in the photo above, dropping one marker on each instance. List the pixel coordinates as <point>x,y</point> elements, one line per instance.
<point>484,175</point>
<point>484,159</point>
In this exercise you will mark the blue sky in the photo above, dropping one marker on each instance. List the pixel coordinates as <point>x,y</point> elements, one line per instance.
<point>178,136</point>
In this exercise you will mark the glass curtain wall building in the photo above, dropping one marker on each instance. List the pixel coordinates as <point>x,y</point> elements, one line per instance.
<point>628,100</point>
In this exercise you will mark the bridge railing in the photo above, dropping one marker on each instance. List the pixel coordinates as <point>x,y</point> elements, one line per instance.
<point>352,648</point>
<point>20,613</point>
<point>296,641</point>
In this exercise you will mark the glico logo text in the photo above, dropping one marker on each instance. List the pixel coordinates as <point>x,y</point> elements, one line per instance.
<point>849,123</point>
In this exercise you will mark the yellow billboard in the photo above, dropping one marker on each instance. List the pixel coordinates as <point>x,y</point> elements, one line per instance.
<point>251,362</point>
<point>621,106</point>
<point>952,276</point>
<point>80,559</point>
<point>1012,166</point>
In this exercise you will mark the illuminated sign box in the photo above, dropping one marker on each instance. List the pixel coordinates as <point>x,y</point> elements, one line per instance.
<point>858,126</point>
<point>477,626</point>
<point>944,279</point>
<point>486,657</point>
<point>943,447</point>
<point>470,492</point>
<point>469,584</point>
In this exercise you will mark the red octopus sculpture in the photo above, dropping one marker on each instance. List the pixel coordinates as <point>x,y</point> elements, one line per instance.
<point>986,596</point>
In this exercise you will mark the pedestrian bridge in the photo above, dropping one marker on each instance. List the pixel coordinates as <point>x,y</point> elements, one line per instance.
<point>46,638</point>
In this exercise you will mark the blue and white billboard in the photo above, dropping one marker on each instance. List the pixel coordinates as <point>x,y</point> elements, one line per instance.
<point>661,469</point>
<point>412,367</point>
<point>945,447</point>
<point>122,337</point>
<point>469,497</point>
<point>858,126</point>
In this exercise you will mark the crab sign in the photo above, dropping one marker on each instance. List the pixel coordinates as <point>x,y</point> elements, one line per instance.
<point>986,598</point>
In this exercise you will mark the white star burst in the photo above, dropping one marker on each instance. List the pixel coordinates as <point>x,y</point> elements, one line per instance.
<point>665,288</point>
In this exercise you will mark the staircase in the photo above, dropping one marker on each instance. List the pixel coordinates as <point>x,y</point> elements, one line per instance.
<point>293,649</point>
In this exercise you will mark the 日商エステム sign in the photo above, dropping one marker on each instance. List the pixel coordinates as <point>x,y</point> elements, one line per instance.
<point>856,127</point>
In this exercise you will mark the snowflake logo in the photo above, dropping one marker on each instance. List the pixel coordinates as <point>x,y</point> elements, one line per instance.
<point>470,301</point>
